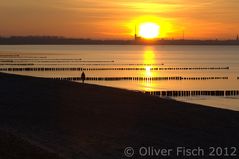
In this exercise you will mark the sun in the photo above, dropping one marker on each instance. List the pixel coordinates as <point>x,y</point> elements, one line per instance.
<point>149,30</point>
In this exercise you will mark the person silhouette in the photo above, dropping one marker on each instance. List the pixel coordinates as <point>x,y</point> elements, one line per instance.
<point>83,77</point>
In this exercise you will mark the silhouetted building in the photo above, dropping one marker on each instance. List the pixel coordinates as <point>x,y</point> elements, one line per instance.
<point>237,37</point>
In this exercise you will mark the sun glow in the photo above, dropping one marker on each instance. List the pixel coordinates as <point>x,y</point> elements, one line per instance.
<point>149,30</point>
<point>150,27</point>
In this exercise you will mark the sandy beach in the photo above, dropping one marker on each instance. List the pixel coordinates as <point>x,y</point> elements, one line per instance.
<point>44,118</point>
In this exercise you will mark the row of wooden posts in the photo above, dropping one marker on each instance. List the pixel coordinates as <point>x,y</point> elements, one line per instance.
<point>195,93</point>
<point>138,78</point>
<point>38,59</point>
<point>47,61</point>
<point>18,57</point>
<point>17,64</point>
<point>107,69</point>
<point>83,64</point>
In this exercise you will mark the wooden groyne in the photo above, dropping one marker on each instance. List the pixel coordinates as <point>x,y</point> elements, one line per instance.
<point>109,69</point>
<point>16,64</point>
<point>12,57</point>
<point>9,56</point>
<point>138,78</point>
<point>194,93</point>
<point>82,64</point>
<point>51,60</point>
<point>106,64</point>
<point>33,59</point>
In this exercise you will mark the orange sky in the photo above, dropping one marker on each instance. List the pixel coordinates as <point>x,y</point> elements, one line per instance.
<point>115,19</point>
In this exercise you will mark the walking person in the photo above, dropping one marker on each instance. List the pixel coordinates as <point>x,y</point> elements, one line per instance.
<point>83,77</point>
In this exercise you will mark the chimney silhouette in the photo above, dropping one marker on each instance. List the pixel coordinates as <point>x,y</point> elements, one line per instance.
<point>183,35</point>
<point>135,33</point>
<point>136,37</point>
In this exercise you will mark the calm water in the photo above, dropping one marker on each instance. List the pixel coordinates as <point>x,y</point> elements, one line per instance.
<point>125,61</point>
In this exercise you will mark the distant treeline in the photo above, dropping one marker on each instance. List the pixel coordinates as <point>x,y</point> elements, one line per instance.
<point>54,40</point>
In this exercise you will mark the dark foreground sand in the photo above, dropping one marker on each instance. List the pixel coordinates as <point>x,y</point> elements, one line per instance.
<point>42,118</point>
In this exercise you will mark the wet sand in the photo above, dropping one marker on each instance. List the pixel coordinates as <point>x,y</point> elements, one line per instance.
<point>62,119</point>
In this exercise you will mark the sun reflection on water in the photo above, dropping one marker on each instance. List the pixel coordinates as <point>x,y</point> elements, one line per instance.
<point>149,60</point>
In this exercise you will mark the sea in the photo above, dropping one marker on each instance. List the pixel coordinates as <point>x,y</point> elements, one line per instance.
<point>205,75</point>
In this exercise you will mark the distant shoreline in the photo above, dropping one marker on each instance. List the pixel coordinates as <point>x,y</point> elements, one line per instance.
<point>51,40</point>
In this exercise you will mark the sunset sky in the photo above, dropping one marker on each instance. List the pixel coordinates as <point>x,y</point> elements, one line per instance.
<point>116,19</point>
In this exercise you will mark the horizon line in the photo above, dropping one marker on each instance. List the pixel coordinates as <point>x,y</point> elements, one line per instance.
<point>130,39</point>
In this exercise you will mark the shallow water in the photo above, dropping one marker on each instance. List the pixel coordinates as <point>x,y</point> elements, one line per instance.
<point>136,61</point>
